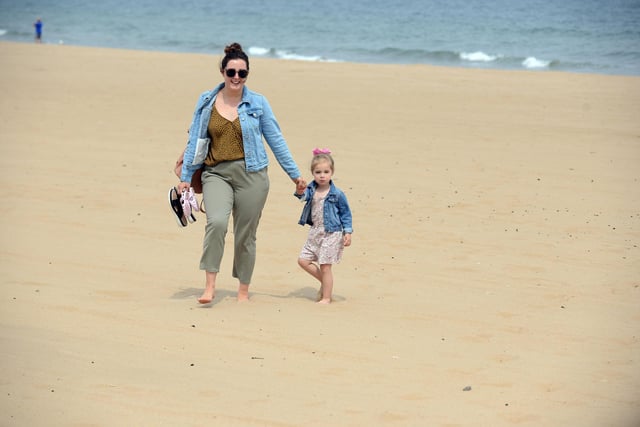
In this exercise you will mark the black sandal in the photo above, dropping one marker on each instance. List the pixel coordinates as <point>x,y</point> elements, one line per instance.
<point>176,207</point>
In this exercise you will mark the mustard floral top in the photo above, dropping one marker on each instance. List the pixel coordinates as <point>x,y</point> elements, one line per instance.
<point>226,140</point>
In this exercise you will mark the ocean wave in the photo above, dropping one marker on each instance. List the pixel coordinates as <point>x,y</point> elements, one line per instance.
<point>467,58</point>
<point>285,54</point>
<point>258,51</point>
<point>3,32</point>
<point>478,57</point>
<point>535,63</point>
<point>411,56</point>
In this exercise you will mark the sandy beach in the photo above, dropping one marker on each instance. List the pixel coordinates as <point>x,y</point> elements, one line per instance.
<point>493,279</point>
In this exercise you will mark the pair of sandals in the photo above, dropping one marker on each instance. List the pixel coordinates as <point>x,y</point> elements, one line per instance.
<point>183,205</point>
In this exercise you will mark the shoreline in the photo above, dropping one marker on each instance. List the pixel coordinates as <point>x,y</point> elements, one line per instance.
<point>478,67</point>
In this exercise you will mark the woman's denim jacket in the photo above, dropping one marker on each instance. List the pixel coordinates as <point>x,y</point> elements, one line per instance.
<point>256,120</point>
<point>336,215</point>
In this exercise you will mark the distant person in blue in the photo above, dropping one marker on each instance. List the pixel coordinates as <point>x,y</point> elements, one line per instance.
<point>38,26</point>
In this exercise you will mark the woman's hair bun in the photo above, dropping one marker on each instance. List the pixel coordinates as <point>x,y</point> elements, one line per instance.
<point>233,47</point>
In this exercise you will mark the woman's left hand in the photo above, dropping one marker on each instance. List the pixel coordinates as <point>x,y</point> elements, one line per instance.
<point>183,186</point>
<point>301,184</point>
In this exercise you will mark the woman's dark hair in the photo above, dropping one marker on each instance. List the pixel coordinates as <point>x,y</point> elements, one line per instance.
<point>233,51</point>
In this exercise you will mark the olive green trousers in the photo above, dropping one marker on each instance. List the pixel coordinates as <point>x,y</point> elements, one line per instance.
<point>229,190</point>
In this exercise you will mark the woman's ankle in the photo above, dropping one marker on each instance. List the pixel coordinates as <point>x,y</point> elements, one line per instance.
<point>243,292</point>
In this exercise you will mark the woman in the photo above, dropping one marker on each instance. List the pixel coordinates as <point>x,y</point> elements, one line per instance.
<point>226,137</point>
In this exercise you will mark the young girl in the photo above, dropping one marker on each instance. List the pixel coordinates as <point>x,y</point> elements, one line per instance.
<point>327,212</point>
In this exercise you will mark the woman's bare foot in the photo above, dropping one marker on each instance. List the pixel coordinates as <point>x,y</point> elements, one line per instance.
<point>207,296</point>
<point>243,293</point>
<point>209,288</point>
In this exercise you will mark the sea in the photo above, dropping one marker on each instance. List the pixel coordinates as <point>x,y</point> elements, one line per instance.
<point>581,36</point>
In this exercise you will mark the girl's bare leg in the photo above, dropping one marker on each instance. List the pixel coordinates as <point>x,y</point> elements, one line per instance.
<point>210,288</point>
<point>243,292</point>
<point>310,268</point>
<point>313,270</point>
<point>327,283</point>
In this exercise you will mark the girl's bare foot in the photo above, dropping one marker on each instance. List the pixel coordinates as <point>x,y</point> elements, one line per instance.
<point>207,296</point>
<point>324,301</point>
<point>319,295</point>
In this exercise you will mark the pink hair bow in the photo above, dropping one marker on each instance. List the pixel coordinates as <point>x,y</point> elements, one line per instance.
<point>317,151</point>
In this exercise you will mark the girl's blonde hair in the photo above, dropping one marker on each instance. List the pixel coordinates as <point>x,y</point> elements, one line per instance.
<point>322,155</point>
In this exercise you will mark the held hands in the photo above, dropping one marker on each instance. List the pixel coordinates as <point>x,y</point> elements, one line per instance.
<point>301,184</point>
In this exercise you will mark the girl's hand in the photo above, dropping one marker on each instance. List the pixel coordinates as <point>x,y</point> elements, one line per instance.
<point>346,239</point>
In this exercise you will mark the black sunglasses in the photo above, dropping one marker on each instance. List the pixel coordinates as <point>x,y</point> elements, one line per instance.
<point>230,72</point>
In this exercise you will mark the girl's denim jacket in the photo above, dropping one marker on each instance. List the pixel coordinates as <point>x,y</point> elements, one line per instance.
<point>256,120</point>
<point>336,215</point>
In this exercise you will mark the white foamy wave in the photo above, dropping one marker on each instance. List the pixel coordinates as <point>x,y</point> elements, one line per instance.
<point>532,62</point>
<point>283,54</point>
<point>3,32</point>
<point>295,57</point>
<point>478,57</point>
<point>258,51</point>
